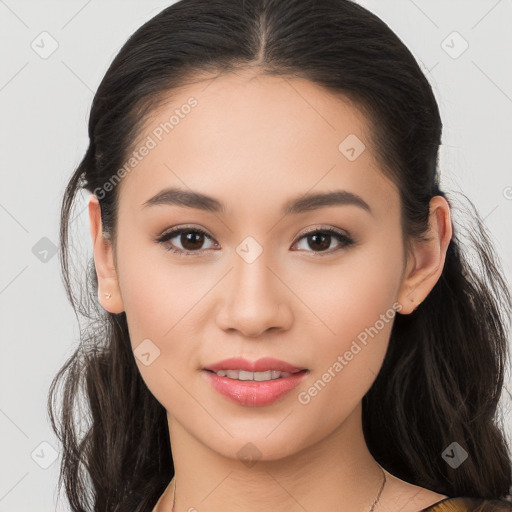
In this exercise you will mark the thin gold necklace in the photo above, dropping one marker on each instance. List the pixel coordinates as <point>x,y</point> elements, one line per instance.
<point>371,508</point>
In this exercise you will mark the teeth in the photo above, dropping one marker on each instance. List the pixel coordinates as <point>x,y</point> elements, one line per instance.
<point>257,376</point>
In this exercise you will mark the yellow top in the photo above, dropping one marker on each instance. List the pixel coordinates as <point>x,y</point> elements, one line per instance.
<point>463,504</point>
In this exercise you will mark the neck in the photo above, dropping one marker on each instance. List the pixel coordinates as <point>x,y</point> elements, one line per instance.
<point>337,470</point>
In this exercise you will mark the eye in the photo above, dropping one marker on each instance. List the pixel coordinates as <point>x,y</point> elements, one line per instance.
<point>321,239</point>
<point>191,240</point>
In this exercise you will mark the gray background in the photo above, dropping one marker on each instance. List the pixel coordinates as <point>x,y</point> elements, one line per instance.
<point>43,131</point>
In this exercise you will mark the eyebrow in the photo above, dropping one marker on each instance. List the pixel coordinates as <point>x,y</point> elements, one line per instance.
<point>304,203</point>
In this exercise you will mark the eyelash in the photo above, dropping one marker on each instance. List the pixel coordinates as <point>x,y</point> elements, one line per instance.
<point>345,240</point>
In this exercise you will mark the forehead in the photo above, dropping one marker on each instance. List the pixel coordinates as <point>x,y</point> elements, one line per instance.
<point>254,141</point>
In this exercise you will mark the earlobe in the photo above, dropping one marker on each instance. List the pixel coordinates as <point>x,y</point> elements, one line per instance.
<point>109,295</point>
<point>426,262</point>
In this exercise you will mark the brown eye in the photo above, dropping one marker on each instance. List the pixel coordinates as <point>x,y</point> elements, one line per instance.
<point>320,239</point>
<point>190,239</point>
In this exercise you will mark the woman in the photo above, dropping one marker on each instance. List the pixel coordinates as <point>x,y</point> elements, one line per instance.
<point>282,297</point>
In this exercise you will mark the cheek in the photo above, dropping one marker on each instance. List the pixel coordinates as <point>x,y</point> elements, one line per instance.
<point>357,310</point>
<point>156,291</point>
<point>161,332</point>
<point>154,304</point>
<point>356,304</point>
<point>352,294</point>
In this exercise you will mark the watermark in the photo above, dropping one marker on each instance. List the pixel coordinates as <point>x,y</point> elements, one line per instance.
<point>146,352</point>
<point>44,455</point>
<point>351,147</point>
<point>454,455</point>
<point>249,454</point>
<point>454,45</point>
<point>304,397</point>
<point>44,45</point>
<point>249,249</point>
<point>150,143</point>
<point>44,249</point>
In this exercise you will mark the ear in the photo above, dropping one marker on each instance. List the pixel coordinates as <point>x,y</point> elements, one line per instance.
<point>108,285</point>
<point>426,260</point>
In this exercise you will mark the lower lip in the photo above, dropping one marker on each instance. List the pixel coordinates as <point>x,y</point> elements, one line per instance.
<point>254,393</point>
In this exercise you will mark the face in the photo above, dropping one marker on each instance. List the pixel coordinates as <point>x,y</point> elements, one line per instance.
<point>315,286</point>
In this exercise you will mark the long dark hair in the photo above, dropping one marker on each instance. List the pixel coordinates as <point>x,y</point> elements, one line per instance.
<point>443,373</point>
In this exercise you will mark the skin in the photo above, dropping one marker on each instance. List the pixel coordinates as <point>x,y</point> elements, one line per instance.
<point>254,142</point>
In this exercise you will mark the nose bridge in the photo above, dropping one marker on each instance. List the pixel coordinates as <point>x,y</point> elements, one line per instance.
<point>253,296</point>
<point>251,273</point>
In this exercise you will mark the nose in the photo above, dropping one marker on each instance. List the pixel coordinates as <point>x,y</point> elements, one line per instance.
<point>253,299</point>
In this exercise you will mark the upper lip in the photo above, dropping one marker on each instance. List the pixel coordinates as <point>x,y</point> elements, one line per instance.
<point>261,365</point>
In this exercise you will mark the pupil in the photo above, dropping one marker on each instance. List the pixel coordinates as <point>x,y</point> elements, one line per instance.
<point>188,238</point>
<point>324,245</point>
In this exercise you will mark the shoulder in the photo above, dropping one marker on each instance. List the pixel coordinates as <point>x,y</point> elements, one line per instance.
<point>466,504</point>
<point>407,497</point>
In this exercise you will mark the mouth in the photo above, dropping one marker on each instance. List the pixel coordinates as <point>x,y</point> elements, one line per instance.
<point>258,367</point>
<point>254,383</point>
<point>244,375</point>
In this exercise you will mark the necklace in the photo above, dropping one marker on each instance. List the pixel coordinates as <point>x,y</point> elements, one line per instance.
<point>371,508</point>
<point>380,490</point>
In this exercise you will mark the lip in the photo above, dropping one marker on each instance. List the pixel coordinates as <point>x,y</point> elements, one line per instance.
<point>261,365</point>
<point>254,393</point>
